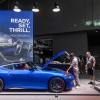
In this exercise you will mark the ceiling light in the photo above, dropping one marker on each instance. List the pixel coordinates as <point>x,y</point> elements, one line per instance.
<point>88,23</point>
<point>35,9</point>
<point>57,8</point>
<point>16,9</point>
<point>96,31</point>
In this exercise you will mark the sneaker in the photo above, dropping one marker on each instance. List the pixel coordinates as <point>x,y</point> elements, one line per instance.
<point>90,83</point>
<point>78,85</point>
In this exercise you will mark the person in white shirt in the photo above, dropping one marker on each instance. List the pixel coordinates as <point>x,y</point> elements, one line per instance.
<point>74,67</point>
<point>90,67</point>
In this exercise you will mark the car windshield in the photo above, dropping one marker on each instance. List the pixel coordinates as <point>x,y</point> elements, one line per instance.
<point>26,66</point>
<point>33,66</point>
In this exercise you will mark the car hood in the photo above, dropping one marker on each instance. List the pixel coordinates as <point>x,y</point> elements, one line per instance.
<point>53,58</point>
<point>59,72</point>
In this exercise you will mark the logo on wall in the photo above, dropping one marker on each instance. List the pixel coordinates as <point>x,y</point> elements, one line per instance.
<point>16,36</point>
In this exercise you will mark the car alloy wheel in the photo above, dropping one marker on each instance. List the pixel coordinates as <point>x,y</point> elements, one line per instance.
<point>1,85</point>
<point>56,85</point>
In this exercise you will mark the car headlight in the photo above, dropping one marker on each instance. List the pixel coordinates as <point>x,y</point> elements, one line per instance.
<point>65,75</point>
<point>70,76</point>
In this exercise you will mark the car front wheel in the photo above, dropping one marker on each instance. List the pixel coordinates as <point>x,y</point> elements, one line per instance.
<point>1,85</point>
<point>56,85</point>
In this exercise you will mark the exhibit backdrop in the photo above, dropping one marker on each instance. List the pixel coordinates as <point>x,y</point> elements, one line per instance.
<point>16,36</point>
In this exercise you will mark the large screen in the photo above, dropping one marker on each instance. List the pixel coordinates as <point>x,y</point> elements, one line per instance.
<point>16,36</point>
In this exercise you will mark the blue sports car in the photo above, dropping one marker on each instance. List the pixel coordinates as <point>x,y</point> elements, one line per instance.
<point>30,76</point>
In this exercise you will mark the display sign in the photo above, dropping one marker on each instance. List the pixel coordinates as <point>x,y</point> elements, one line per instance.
<point>16,36</point>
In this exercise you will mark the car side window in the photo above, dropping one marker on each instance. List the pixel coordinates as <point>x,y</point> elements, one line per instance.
<point>9,67</point>
<point>17,66</point>
<point>23,66</point>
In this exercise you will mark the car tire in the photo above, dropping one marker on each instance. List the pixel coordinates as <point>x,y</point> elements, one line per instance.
<point>1,85</point>
<point>56,85</point>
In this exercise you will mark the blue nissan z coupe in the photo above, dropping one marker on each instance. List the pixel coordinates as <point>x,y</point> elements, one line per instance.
<point>30,76</point>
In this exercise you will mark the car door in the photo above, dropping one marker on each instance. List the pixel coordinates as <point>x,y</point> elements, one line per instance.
<point>24,78</point>
<point>20,77</point>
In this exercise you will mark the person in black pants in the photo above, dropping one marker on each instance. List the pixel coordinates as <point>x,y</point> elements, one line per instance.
<point>90,67</point>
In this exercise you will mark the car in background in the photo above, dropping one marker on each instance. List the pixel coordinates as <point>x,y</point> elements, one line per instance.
<point>31,76</point>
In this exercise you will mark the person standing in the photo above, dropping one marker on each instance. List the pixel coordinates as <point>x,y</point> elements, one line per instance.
<point>90,67</point>
<point>74,67</point>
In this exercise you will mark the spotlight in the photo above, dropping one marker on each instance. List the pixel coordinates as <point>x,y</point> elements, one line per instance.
<point>57,8</point>
<point>16,8</point>
<point>96,31</point>
<point>35,7</point>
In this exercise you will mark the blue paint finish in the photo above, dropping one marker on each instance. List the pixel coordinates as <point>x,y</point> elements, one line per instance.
<point>35,78</point>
